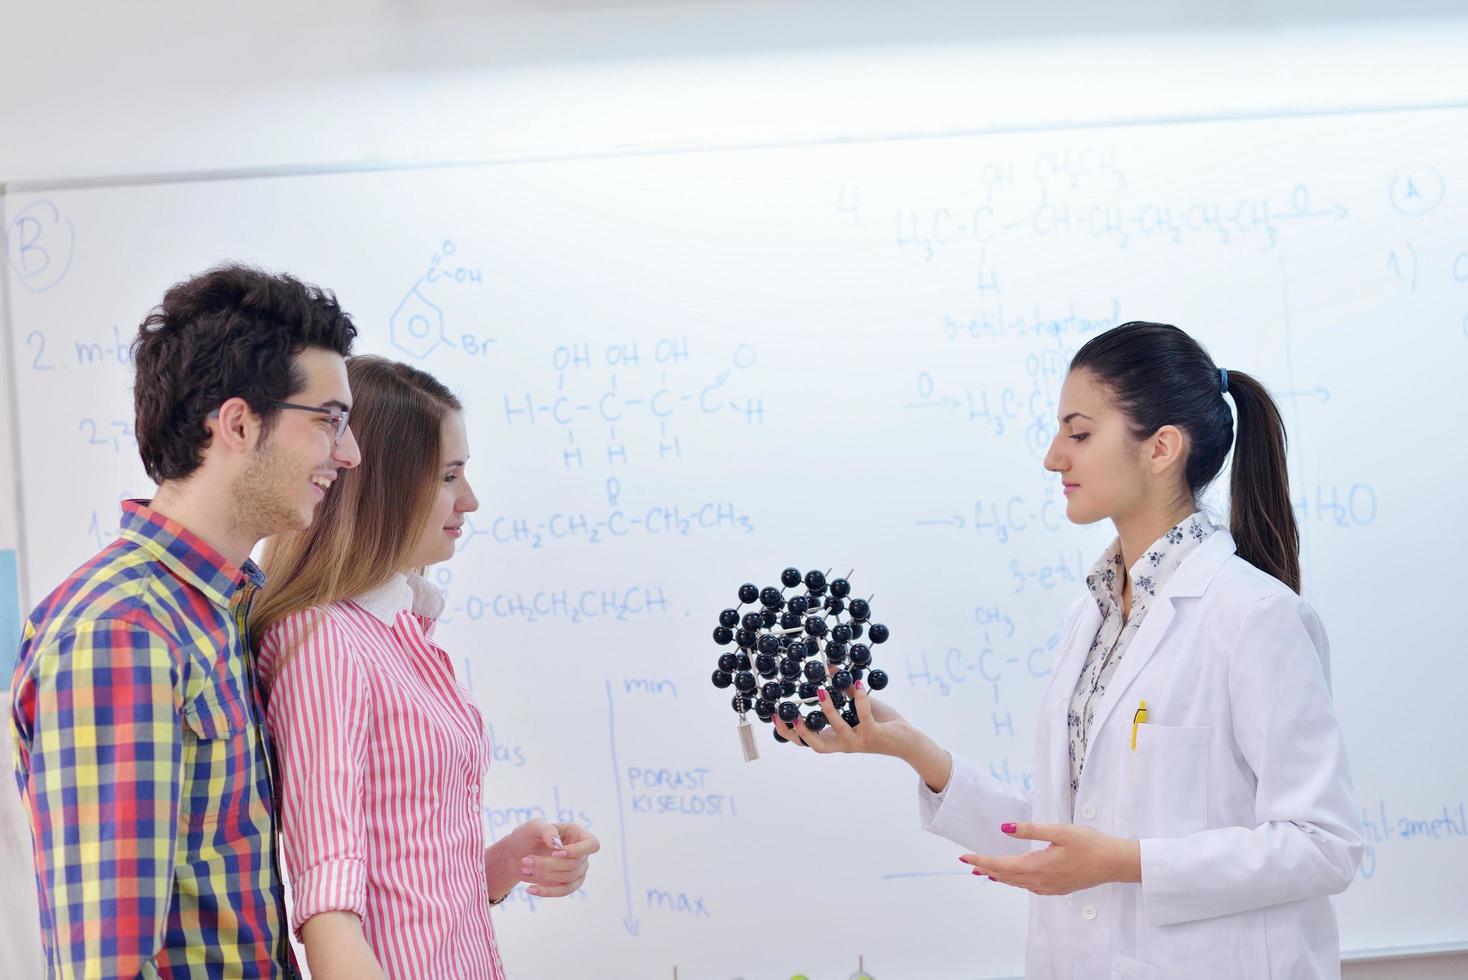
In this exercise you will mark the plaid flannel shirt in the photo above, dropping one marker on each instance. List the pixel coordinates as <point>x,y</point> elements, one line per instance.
<point>142,757</point>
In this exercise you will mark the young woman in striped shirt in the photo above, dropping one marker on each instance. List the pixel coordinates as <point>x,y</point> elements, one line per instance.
<point>382,751</point>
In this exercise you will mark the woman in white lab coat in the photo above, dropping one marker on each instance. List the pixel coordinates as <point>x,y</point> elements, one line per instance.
<point>1192,811</point>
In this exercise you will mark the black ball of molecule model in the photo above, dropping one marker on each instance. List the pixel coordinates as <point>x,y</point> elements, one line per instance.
<point>849,716</point>
<point>764,710</point>
<point>746,638</point>
<point>766,665</point>
<point>740,703</point>
<point>835,652</point>
<point>815,581</point>
<point>790,577</point>
<point>797,605</point>
<point>807,691</point>
<point>768,643</point>
<point>860,609</point>
<point>722,635</point>
<point>771,598</point>
<point>835,606</point>
<point>722,678</point>
<point>877,679</point>
<point>769,618</point>
<point>837,698</point>
<point>860,654</point>
<point>753,621</point>
<point>748,592</point>
<point>799,650</point>
<point>878,633</point>
<point>789,711</point>
<point>815,721</point>
<point>789,668</point>
<point>815,671</point>
<point>770,690</point>
<point>840,588</point>
<point>787,688</point>
<point>729,618</point>
<point>789,620</point>
<point>841,680</point>
<point>841,632</point>
<point>744,682</point>
<point>856,630</point>
<point>728,662</point>
<point>815,626</point>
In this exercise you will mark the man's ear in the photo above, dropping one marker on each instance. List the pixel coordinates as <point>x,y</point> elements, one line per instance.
<point>235,426</point>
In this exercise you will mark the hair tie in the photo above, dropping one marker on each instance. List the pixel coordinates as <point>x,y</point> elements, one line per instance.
<point>1223,380</point>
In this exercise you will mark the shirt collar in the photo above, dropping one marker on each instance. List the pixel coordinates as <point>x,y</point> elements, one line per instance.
<point>186,554</point>
<point>388,599</point>
<point>409,591</point>
<point>1150,572</point>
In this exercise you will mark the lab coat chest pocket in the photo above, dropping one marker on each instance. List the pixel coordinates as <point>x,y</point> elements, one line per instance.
<point>1164,782</point>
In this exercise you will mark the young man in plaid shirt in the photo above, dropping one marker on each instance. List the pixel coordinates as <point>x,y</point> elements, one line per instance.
<point>140,746</point>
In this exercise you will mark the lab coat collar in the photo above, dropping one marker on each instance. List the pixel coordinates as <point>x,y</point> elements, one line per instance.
<point>1190,581</point>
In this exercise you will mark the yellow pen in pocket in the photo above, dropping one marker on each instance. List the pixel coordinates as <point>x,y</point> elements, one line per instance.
<point>1139,718</point>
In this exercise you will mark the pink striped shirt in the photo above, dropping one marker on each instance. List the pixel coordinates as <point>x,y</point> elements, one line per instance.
<point>382,759</point>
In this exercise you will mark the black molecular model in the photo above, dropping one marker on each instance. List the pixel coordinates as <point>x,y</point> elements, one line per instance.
<point>786,647</point>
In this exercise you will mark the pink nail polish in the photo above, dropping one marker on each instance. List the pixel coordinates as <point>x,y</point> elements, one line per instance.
<point>821,694</point>
<point>857,685</point>
<point>1008,828</point>
<point>527,871</point>
<point>978,872</point>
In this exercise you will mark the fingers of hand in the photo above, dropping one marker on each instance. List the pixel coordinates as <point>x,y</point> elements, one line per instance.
<point>1051,832</point>
<point>552,871</point>
<point>572,832</point>
<point>553,891</point>
<point>582,848</point>
<point>795,734</point>
<point>840,730</point>
<point>861,700</point>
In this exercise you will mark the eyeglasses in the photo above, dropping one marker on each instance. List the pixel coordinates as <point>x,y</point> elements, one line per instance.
<point>338,417</point>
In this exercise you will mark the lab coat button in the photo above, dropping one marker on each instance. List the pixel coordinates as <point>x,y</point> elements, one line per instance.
<point>1088,913</point>
<point>1088,812</point>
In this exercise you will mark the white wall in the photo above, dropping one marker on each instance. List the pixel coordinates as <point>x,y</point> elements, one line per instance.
<point>92,90</point>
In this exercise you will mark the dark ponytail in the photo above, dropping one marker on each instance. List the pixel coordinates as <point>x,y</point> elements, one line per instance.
<point>1261,517</point>
<point>1160,376</point>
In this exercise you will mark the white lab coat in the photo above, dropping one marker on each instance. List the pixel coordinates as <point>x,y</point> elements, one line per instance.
<point>1238,790</point>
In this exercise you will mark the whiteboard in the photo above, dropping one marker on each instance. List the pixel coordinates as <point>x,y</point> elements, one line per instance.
<point>684,371</point>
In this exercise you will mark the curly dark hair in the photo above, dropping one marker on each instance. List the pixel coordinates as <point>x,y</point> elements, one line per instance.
<point>231,332</point>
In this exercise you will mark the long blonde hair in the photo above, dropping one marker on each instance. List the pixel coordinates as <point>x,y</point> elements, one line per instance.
<point>366,529</point>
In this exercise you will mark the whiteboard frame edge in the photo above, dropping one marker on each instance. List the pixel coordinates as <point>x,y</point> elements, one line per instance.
<point>528,155</point>
<point>12,378</point>
<point>1388,953</point>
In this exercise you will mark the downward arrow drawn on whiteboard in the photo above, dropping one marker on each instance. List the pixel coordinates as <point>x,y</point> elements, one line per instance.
<point>629,921</point>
